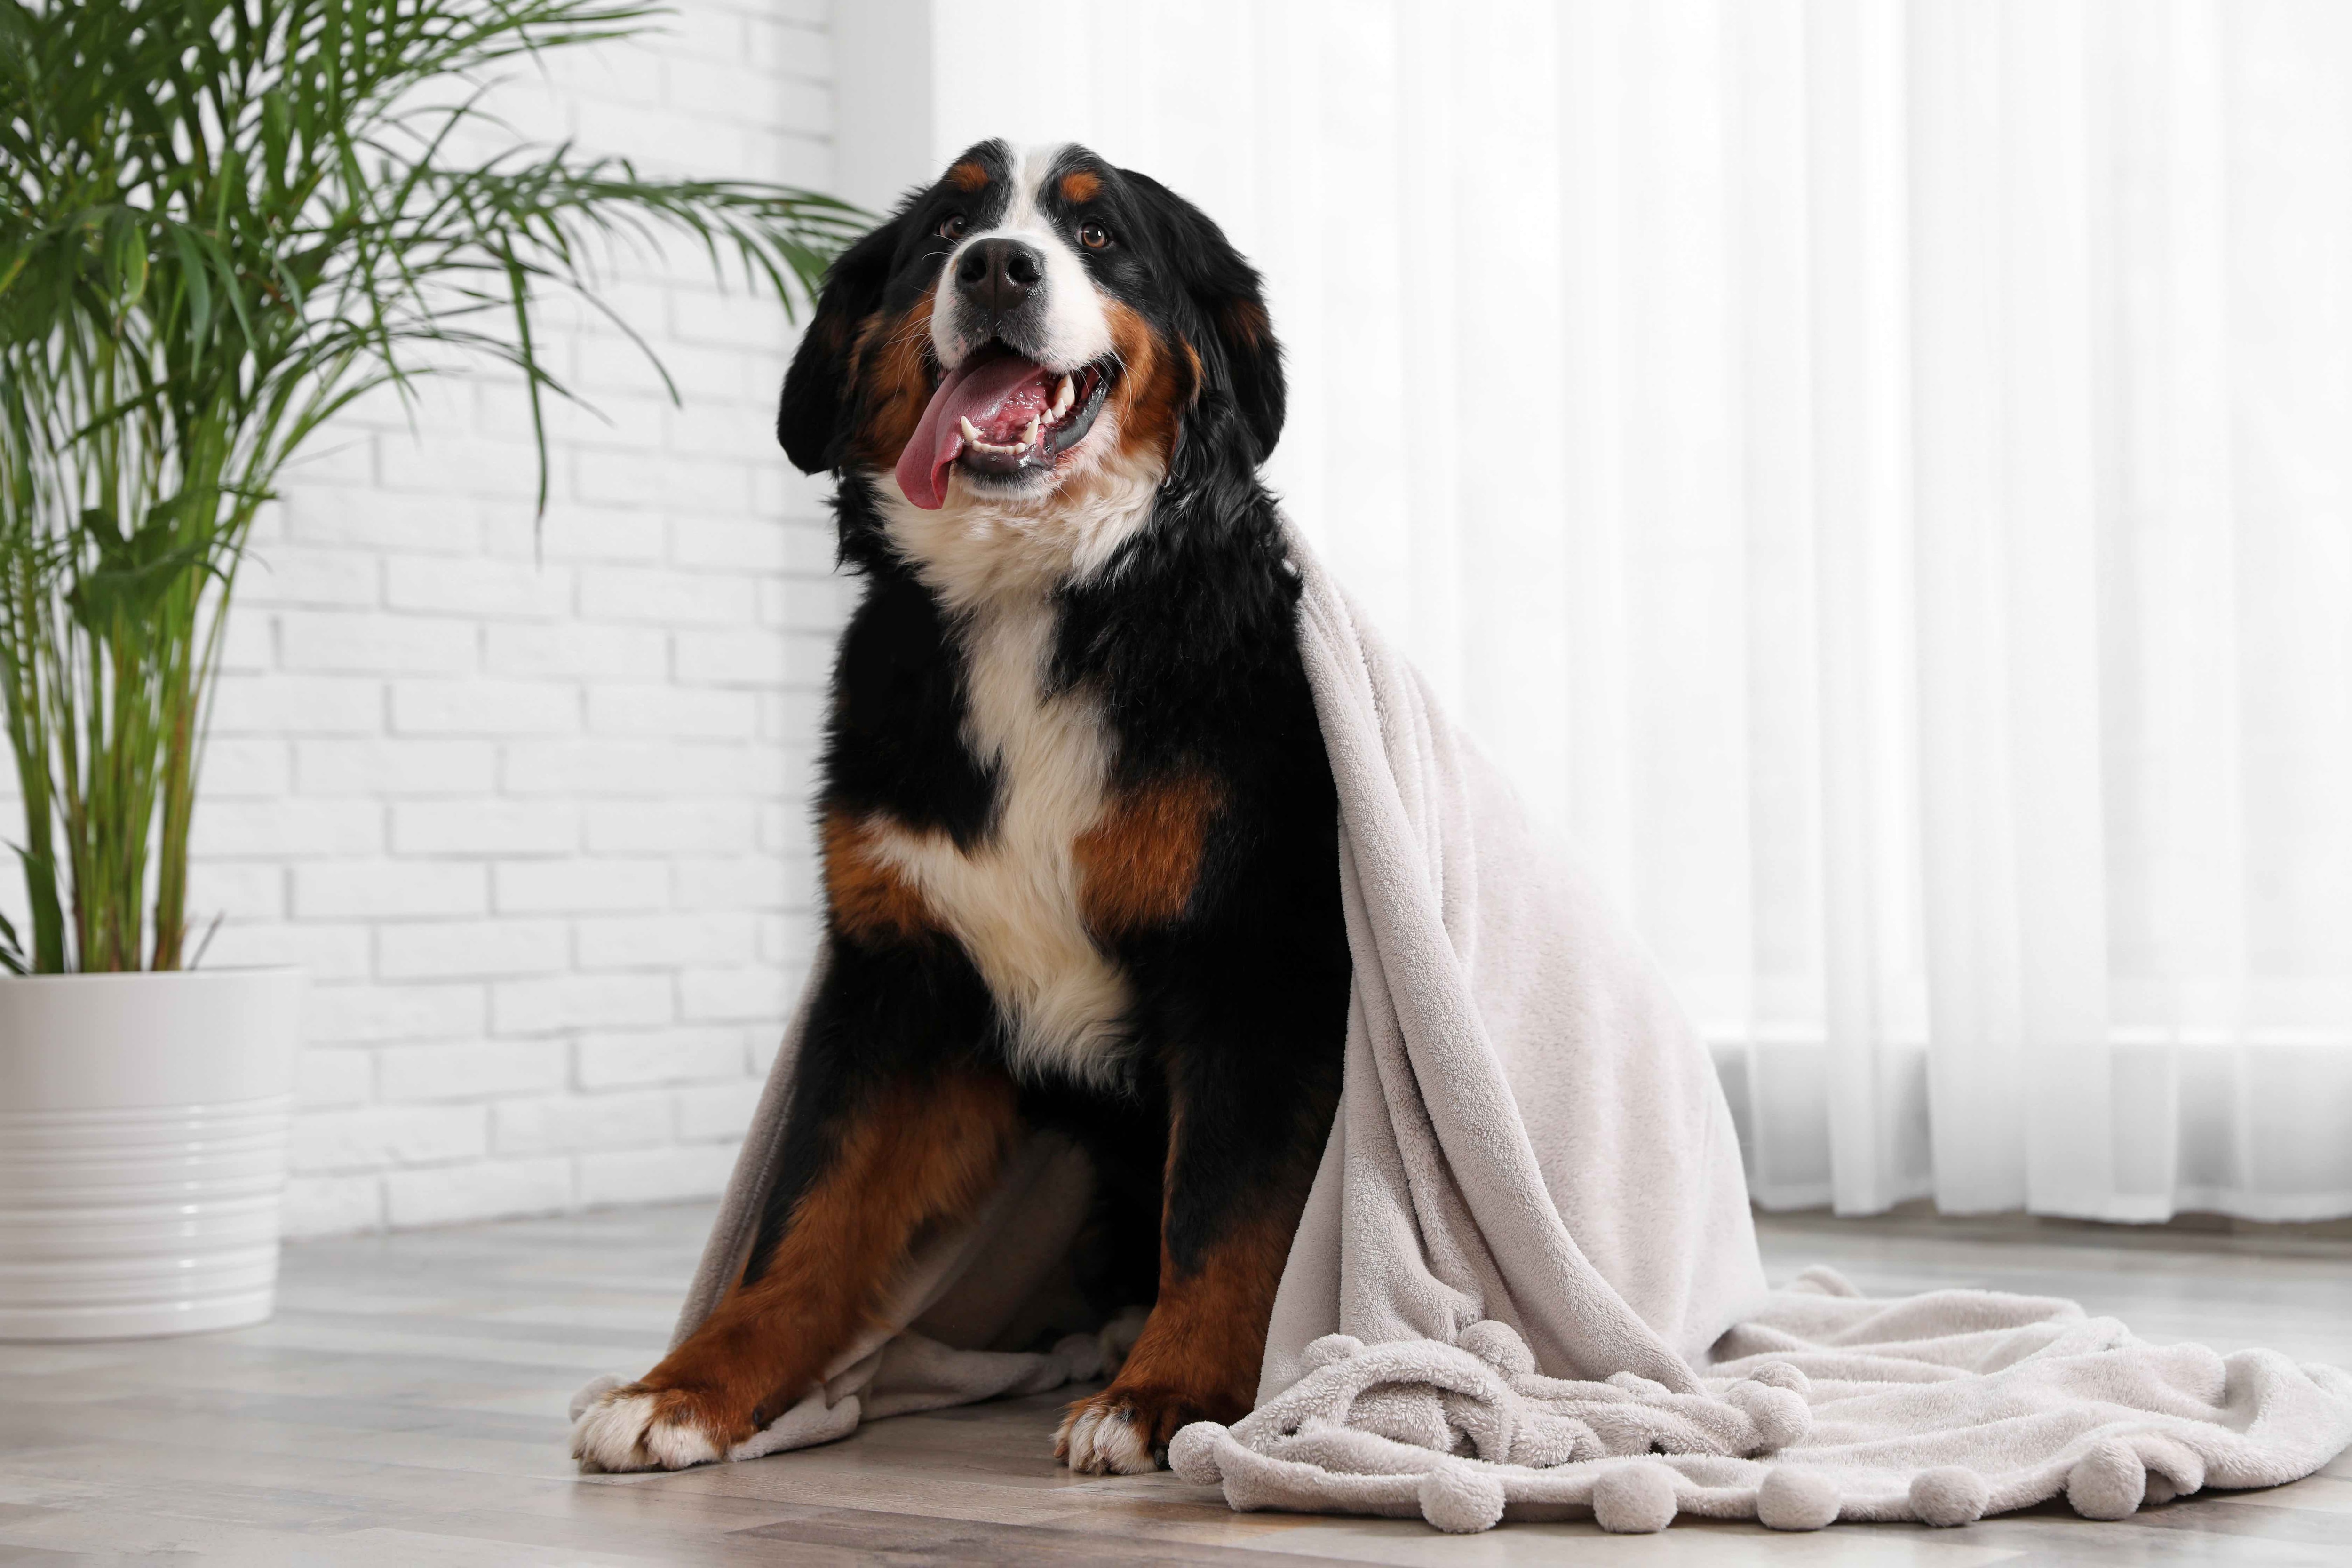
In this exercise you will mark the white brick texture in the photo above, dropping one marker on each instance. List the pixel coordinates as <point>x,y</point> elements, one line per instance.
<point>527,797</point>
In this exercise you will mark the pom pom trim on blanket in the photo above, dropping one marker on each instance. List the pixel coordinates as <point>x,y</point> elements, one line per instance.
<point>1469,1433</point>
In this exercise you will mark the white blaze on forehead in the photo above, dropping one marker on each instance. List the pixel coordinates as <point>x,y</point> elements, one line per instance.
<point>1078,330</point>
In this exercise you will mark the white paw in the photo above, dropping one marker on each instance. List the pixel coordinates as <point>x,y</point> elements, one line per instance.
<point>1119,1336</point>
<point>1099,1442</point>
<point>622,1432</point>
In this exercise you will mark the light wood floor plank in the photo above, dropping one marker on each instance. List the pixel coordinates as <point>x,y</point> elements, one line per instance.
<point>408,1406</point>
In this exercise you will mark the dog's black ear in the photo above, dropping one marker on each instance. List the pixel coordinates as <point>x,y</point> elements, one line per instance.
<point>810,420</point>
<point>1240,358</point>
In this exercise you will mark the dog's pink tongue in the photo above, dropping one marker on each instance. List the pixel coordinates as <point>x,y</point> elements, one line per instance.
<point>973,391</point>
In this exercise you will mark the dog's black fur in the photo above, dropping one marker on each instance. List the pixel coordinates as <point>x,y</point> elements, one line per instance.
<point>1187,643</point>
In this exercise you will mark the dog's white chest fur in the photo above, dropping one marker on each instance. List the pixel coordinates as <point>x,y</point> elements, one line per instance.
<point>1013,898</point>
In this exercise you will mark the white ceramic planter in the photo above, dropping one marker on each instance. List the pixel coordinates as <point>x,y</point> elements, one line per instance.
<point>142,1150</point>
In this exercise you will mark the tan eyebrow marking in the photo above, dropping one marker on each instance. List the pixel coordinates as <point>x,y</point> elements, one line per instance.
<point>1078,185</point>
<point>968,176</point>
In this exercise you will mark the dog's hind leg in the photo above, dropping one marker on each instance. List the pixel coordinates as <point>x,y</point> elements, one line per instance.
<point>896,1155</point>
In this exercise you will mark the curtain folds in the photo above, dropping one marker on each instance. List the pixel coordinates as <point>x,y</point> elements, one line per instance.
<point>1880,478</point>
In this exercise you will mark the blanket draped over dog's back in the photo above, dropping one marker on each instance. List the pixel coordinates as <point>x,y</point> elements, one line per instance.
<point>1525,1275</point>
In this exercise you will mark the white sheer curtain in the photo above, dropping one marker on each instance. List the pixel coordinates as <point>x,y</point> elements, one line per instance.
<point>1880,476</point>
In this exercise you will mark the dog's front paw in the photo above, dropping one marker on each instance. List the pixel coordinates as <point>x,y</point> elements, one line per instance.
<point>633,1428</point>
<point>1123,1431</point>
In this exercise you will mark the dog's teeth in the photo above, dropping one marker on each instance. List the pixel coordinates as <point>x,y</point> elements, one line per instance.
<point>971,431</point>
<point>1029,434</point>
<point>1062,398</point>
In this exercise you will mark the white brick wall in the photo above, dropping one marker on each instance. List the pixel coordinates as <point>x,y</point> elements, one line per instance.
<point>529,805</point>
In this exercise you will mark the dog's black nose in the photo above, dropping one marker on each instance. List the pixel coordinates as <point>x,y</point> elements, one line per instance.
<point>997,274</point>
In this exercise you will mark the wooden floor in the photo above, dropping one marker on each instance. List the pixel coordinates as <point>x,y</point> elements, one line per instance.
<point>406,1407</point>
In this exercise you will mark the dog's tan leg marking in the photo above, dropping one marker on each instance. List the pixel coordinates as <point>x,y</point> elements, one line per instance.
<point>1197,1358</point>
<point>917,1153</point>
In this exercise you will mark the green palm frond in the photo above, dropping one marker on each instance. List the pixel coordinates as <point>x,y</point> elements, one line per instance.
<point>220,222</point>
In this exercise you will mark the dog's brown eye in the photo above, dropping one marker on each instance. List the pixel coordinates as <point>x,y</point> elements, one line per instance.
<point>950,229</point>
<point>1093,235</point>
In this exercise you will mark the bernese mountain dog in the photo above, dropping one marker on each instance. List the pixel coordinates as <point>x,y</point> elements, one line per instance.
<point>1079,834</point>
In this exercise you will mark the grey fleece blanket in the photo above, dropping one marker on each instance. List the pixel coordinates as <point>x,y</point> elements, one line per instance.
<point>1525,1284</point>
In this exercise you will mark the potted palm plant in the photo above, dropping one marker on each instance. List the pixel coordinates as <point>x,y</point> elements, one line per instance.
<point>221,221</point>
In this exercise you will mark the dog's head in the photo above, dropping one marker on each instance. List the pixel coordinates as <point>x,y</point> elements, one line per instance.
<point>1032,318</point>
